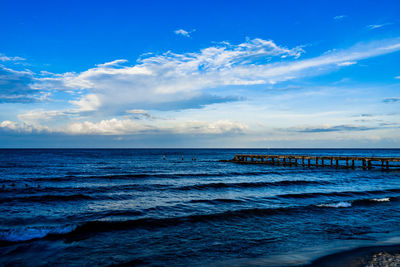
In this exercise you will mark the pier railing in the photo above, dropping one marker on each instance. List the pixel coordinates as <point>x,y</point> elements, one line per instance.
<point>320,161</point>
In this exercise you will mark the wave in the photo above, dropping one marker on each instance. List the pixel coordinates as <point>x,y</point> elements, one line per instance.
<point>339,194</point>
<point>250,185</point>
<point>373,201</point>
<point>73,175</point>
<point>342,204</point>
<point>216,201</point>
<point>357,202</point>
<point>29,233</point>
<point>51,179</point>
<point>85,230</point>
<point>47,198</point>
<point>73,233</point>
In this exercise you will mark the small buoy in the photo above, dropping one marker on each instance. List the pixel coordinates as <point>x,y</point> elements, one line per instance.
<point>12,184</point>
<point>38,186</point>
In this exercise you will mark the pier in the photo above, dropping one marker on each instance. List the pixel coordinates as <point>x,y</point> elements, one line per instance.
<point>348,162</point>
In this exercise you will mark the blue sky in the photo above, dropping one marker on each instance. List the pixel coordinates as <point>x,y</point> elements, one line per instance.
<point>209,74</point>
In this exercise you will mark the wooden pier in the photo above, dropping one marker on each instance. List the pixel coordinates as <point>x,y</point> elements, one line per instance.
<point>348,162</point>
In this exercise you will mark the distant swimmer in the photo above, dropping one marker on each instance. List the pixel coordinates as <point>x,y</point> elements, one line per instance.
<point>163,157</point>
<point>182,158</point>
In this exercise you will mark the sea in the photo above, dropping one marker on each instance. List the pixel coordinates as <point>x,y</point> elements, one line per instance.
<point>183,207</point>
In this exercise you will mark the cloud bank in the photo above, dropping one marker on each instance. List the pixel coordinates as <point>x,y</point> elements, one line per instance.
<point>158,81</point>
<point>114,98</point>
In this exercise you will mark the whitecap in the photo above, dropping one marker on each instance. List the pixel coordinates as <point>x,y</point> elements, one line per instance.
<point>385,199</point>
<point>336,205</point>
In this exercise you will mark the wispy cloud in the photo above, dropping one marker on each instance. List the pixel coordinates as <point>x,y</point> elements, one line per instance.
<point>183,32</point>
<point>339,17</point>
<point>397,77</point>
<point>391,100</point>
<point>139,114</point>
<point>328,128</point>
<point>6,58</point>
<point>346,63</point>
<point>157,80</point>
<point>377,26</point>
<point>15,86</point>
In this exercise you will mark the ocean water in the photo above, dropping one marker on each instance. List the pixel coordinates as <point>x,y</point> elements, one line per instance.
<point>129,206</point>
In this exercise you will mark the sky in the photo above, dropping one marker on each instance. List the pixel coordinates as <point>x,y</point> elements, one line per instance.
<point>218,74</point>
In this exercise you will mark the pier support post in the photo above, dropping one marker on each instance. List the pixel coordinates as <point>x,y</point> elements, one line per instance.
<point>322,162</point>
<point>302,158</point>
<point>352,163</point>
<point>363,164</point>
<point>309,162</point>
<point>337,163</point>
<point>347,163</point>
<point>387,165</point>
<point>331,162</point>
<point>316,161</point>
<point>369,164</point>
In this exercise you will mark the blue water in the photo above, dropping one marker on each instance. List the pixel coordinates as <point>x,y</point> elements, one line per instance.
<point>129,206</point>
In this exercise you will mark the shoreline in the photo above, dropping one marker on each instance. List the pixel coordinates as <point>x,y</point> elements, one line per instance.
<point>386,255</point>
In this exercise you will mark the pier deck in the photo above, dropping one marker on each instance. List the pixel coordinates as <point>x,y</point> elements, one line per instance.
<point>349,162</point>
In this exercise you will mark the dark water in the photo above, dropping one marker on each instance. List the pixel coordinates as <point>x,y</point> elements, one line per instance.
<point>103,207</point>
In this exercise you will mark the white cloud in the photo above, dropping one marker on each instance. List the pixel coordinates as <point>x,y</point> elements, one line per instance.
<point>116,126</point>
<point>21,128</point>
<point>107,127</point>
<point>397,77</point>
<point>346,63</point>
<point>113,63</point>
<point>340,17</point>
<point>183,32</point>
<point>377,26</point>
<point>164,80</point>
<point>88,102</point>
<point>201,127</point>
<point>126,126</point>
<point>114,97</point>
<point>6,58</point>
